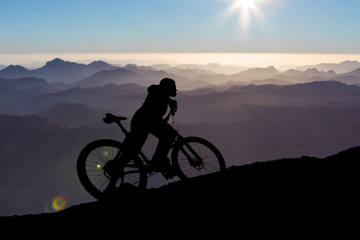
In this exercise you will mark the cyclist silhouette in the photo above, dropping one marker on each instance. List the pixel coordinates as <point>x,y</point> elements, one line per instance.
<point>149,119</point>
<point>107,165</point>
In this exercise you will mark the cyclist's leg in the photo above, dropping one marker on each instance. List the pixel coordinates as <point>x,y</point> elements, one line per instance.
<point>131,147</point>
<point>166,135</point>
<point>133,144</point>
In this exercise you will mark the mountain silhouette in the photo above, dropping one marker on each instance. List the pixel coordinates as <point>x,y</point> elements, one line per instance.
<point>309,75</point>
<point>285,189</point>
<point>15,71</point>
<point>342,67</point>
<point>23,84</point>
<point>309,94</point>
<point>104,77</point>
<point>140,75</point>
<point>99,73</point>
<point>73,114</point>
<point>57,70</point>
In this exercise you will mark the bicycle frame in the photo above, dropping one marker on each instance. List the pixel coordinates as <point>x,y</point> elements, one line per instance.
<point>179,143</point>
<point>126,133</point>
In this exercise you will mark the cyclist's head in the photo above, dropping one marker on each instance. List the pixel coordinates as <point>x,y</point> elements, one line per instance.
<point>169,85</point>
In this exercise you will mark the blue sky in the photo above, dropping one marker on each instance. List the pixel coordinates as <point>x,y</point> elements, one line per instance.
<point>285,26</point>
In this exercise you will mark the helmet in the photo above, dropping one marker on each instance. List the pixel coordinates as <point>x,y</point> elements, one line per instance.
<point>167,82</point>
<point>169,85</point>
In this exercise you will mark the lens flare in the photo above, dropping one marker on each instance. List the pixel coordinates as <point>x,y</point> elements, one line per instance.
<point>99,166</point>
<point>59,203</point>
<point>106,153</point>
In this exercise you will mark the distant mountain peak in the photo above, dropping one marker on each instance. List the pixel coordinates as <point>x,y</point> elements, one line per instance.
<point>97,62</point>
<point>55,61</point>
<point>14,71</point>
<point>16,67</point>
<point>100,64</point>
<point>312,70</point>
<point>355,72</point>
<point>350,62</point>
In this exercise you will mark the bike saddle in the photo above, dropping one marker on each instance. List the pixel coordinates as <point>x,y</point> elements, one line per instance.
<point>110,118</point>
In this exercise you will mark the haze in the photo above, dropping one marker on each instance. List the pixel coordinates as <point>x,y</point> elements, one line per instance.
<point>282,61</point>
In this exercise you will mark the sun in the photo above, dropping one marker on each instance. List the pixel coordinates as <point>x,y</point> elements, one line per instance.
<point>245,10</point>
<point>245,3</point>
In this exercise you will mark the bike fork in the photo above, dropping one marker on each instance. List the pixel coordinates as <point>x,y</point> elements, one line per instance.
<point>192,160</point>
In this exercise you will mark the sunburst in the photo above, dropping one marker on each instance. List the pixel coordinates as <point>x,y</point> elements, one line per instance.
<point>245,9</point>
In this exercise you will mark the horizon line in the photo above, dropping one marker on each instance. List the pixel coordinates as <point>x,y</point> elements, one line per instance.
<point>175,58</point>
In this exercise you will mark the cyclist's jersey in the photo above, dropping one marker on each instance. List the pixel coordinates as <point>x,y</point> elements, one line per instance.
<point>156,103</point>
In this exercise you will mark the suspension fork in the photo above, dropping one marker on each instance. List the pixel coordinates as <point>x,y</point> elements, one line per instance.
<point>192,160</point>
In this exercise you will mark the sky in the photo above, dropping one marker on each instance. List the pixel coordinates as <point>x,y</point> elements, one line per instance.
<point>178,26</point>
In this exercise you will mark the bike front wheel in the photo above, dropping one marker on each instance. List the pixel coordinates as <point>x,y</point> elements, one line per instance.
<point>194,156</point>
<point>93,158</point>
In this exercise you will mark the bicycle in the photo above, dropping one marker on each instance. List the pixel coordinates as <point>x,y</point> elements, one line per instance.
<point>191,157</point>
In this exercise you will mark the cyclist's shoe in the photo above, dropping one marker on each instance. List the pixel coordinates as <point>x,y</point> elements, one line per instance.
<point>110,189</point>
<point>169,174</point>
<point>113,168</point>
<point>163,166</point>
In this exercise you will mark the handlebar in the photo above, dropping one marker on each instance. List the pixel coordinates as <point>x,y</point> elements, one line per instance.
<point>171,113</point>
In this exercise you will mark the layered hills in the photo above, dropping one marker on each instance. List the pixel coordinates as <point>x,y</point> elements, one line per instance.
<point>188,76</point>
<point>251,115</point>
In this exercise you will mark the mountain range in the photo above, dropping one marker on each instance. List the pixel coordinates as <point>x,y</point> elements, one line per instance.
<point>100,73</point>
<point>45,123</point>
<point>343,67</point>
<point>248,124</point>
<point>57,70</point>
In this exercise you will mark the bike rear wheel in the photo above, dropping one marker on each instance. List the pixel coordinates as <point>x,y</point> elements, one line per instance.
<point>195,156</point>
<point>93,158</point>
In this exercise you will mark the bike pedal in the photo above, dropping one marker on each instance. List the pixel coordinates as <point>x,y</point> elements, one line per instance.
<point>168,176</point>
<point>150,170</point>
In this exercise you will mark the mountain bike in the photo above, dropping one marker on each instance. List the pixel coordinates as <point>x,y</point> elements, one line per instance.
<point>190,156</point>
